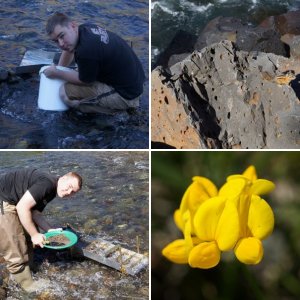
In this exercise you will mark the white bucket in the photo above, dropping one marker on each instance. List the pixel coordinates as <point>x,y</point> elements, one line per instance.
<point>49,92</point>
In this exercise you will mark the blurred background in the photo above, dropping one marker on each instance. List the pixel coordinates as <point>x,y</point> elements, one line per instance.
<point>276,277</point>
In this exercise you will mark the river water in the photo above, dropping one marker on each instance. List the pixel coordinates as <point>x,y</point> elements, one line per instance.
<point>113,205</point>
<point>23,125</point>
<point>169,16</point>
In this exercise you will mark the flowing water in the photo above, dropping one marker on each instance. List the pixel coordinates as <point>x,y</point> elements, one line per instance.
<point>169,16</point>
<point>23,125</point>
<point>113,205</point>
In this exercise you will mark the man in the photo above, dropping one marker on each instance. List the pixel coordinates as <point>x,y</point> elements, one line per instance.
<point>24,194</point>
<point>110,77</point>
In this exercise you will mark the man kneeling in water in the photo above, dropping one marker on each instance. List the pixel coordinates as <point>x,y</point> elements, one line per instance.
<point>24,194</point>
<point>110,77</point>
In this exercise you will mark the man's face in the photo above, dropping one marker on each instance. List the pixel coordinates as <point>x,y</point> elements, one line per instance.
<point>66,37</point>
<point>67,186</point>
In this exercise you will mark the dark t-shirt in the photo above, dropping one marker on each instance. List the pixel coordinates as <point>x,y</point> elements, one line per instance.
<point>103,56</point>
<point>42,187</point>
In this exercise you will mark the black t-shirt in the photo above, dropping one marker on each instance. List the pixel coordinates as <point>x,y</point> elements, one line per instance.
<point>42,187</point>
<point>104,56</point>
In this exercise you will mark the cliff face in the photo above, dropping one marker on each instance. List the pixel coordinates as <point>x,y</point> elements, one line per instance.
<point>224,97</point>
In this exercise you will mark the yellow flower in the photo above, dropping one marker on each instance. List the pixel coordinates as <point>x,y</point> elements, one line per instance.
<point>256,218</point>
<point>257,226</point>
<point>211,221</point>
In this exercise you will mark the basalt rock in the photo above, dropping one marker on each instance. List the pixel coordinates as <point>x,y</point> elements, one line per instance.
<point>222,97</point>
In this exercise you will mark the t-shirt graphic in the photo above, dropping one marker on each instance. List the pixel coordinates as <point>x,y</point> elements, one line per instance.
<point>102,32</point>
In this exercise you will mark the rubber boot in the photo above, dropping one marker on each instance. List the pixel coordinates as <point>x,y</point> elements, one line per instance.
<point>24,279</point>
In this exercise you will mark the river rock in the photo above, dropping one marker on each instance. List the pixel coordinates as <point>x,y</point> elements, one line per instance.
<point>222,97</point>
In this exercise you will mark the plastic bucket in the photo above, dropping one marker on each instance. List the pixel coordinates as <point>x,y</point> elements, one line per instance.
<point>49,92</point>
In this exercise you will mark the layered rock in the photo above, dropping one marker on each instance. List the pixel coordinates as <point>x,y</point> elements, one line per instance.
<point>232,99</point>
<point>236,90</point>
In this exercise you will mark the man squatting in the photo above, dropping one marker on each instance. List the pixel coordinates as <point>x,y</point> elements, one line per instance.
<point>24,193</point>
<point>110,77</point>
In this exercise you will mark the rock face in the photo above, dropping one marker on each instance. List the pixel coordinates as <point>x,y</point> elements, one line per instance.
<point>221,97</point>
<point>176,130</point>
<point>231,90</point>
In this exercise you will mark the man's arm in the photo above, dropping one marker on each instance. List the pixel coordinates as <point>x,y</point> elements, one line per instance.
<point>66,58</point>
<point>40,221</point>
<point>24,207</point>
<point>69,76</point>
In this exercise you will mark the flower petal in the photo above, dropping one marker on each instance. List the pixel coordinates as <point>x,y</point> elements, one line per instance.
<point>228,228</point>
<point>260,218</point>
<point>176,252</point>
<point>250,173</point>
<point>249,251</point>
<point>193,197</point>
<point>188,230</point>
<point>207,217</point>
<point>262,187</point>
<point>233,188</point>
<point>178,219</point>
<point>208,185</point>
<point>205,255</point>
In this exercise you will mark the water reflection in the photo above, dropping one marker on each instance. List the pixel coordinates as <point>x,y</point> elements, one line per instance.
<point>113,205</point>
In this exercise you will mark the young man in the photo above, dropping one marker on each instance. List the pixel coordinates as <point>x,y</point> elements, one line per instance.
<point>110,77</point>
<point>23,196</point>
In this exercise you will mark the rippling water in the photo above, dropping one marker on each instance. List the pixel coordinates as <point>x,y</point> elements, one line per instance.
<point>113,205</point>
<point>23,125</point>
<point>169,16</point>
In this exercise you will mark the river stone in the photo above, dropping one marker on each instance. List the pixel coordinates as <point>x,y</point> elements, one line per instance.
<point>230,97</point>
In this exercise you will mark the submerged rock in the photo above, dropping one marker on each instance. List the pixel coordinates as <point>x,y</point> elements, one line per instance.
<point>227,99</point>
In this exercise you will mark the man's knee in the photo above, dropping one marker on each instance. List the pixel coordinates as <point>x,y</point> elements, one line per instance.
<point>62,93</point>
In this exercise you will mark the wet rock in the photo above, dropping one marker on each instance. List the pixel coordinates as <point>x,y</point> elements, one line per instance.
<point>180,47</point>
<point>3,74</point>
<point>225,98</point>
<point>287,25</point>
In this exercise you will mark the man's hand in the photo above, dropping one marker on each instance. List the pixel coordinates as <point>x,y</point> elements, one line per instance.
<point>38,239</point>
<point>51,72</point>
